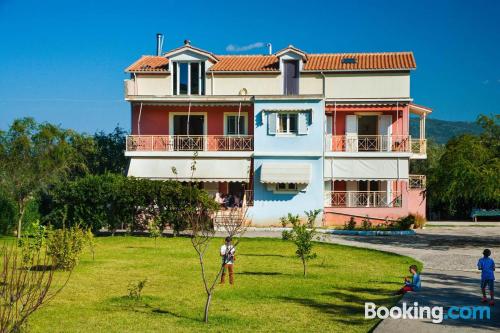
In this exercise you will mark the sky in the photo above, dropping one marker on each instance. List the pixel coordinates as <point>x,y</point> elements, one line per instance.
<point>64,61</point>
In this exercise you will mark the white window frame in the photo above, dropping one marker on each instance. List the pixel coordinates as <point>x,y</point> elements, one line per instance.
<point>177,69</point>
<point>289,188</point>
<point>244,118</point>
<point>288,132</point>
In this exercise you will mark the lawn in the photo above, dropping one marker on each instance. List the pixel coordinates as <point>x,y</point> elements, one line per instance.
<point>270,293</point>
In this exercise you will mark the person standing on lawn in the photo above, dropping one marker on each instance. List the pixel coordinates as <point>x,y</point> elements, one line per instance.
<point>227,253</point>
<point>487,267</point>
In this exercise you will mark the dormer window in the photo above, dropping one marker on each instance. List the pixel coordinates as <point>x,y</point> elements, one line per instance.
<point>189,78</point>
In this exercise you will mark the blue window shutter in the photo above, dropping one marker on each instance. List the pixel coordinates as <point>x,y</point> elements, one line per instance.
<point>303,122</point>
<point>271,123</point>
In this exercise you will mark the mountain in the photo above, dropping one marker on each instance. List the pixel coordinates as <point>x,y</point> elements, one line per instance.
<point>440,131</point>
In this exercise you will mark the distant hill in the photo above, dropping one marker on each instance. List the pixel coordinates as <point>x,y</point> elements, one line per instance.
<point>440,131</point>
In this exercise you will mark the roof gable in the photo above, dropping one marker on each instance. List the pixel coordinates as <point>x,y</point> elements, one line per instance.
<point>292,49</point>
<point>191,49</point>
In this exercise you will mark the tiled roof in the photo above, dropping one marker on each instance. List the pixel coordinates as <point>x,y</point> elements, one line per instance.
<point>149,64</point>
<point>251,63</point>
<point>315,62</point>
<point>362,61</point>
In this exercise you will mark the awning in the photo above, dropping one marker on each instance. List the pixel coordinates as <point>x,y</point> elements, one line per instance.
<point>298,173</point>
<point>366,168</point>
<point>207,169</point>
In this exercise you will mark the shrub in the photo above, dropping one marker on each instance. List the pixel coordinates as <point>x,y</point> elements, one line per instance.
<point>135,289</point>
<point>351,224</point>
<point>311,216</point>
<point>366,224</point>
<point>405,223</point>
<point>31,242</point>
<point>65,247</point>
<point>420,222</point>
<point>286,235</point>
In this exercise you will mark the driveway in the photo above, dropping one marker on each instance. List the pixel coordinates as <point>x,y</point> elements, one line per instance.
<point>450,277</point>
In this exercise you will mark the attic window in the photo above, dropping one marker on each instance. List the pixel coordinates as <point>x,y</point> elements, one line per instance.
<point>348,60</point>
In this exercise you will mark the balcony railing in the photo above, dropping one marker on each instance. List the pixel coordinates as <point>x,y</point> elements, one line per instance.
<point>367,143</point>
<point>417,181</point>
<point>189,143</point>
<point>358,199</point>
<point>419,146</point>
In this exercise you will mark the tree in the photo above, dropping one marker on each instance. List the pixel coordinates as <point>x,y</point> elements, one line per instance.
<point>33,156</point>
<point>108,153</point>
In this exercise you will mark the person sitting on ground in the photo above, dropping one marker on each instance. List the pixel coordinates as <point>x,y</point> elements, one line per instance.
<point>413,283</point>
<point>487,267</point>
<point>227,253</point>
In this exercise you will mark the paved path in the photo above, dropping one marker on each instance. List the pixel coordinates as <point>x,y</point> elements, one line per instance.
<point>450,277</point>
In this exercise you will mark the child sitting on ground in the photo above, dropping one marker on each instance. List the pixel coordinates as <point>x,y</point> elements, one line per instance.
<point>412,284</point>
<point>487,266</point>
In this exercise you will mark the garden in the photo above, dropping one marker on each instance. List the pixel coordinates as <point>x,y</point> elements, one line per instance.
<point>269,294</point>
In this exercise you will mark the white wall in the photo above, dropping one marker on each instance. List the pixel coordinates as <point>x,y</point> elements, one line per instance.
<point>367,85</point>
<point>261,84</point>
<point>153,84</point>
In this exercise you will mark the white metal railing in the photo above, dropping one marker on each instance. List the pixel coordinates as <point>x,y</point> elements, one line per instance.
<point>366,143</point>
<point>362,199</point>
<point>189,143</point>
<point>417,181</point>
<point>418,146</point>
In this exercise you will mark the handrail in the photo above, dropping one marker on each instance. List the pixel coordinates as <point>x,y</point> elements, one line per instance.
<point>189,143</point>
<point>360,199</point>
<point>417,181</point>
<point>367,143</point>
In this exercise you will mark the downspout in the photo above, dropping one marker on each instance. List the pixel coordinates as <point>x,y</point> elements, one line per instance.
<point>189,115</point>
<point>136,89</point>
<point>238,122</point>
<point>139,120</point>
<point>212,85</point>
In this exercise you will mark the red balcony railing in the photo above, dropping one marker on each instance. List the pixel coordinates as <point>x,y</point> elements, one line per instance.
<point>189,143</point>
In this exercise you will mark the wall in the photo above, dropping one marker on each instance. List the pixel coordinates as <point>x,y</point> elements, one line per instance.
<point>155,118</point>
<point>367,85</point>
<point>269,207</point>
<point>261,84</point>
<point>153,84</point>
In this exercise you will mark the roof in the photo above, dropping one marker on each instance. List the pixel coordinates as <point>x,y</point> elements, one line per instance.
<point>270,63</point>
<point>419,109</point>
<point>149,64</point>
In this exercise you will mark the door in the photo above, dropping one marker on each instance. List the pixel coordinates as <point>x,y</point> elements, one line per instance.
<point>188,132</point>
<point>291,77</point>
<point>351,133</point>
<point>385,132</point>
<point>367,133</point>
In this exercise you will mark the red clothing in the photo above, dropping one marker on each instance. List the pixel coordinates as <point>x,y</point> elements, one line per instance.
<point>404,290</point>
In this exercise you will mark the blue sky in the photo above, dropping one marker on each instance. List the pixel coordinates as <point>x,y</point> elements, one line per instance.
<point>63,61</point>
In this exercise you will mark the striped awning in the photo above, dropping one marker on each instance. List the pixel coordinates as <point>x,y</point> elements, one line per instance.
<point>298,173</point>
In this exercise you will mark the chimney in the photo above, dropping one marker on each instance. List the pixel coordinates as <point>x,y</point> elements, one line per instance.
<point>159,44</point>
<point>270,48</point>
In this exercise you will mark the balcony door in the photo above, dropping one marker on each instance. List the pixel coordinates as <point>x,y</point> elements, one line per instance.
<point>188,132</point>
<point>367,132</point>
<point>291,77</point>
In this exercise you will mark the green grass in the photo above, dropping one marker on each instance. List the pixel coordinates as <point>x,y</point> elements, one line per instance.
<point>270,293</point>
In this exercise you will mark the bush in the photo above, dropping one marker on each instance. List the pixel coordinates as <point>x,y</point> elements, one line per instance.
<point>135,289</point>
<point>420,222</point>
<point>351,224</point>
<point>31,242</point>
<point>286,235</point>
<point>405,223</point>
<point>65,246</point>
<point>366,224</point>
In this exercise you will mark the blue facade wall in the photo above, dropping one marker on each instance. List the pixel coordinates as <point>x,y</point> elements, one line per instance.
<point>269,206</point>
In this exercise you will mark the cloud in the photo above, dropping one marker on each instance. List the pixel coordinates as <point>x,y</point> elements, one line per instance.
<point>485,82</point>
<point>236,48</point>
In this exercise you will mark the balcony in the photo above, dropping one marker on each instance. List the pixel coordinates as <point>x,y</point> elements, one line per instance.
<point>168,143</point>
<point>362,199</point>
<point>418,148</point>
<point>367,143</point>
<point>417,182</point>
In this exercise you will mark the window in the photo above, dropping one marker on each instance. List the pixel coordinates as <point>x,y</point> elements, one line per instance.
<point>287,123</point>
<point>232,127</point>
<point>188,78</point>
<point>348,60</point>
<point>286,187</point>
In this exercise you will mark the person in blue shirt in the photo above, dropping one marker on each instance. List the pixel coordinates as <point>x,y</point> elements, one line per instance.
<point>487,267</point>
<point>413,283</point>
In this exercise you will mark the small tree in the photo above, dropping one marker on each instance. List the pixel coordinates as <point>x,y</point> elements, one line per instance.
<point>303,241</point>
<point>311,216</point>
<point>154,229</point>
<point>24,288</point>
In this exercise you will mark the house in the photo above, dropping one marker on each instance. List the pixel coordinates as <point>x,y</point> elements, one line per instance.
<point>285,132</point>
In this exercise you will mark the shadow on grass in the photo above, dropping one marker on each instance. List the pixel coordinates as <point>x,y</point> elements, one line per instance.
<point>261,273</point>
<point>262,255</point>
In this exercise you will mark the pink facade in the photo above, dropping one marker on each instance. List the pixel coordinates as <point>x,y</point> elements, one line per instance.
<point>154,119</point>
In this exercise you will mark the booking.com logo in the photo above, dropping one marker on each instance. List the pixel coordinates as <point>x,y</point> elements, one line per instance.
<point>436,313</point>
